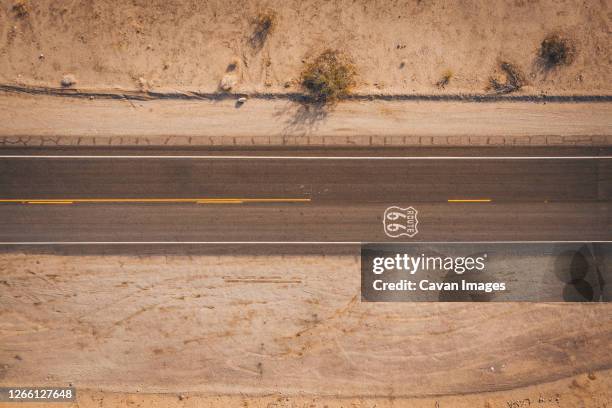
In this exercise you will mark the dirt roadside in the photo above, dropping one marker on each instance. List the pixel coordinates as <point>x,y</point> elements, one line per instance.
<point>55,121</point>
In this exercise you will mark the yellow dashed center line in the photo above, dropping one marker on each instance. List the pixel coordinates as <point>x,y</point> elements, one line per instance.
<point>49,202</point>
<point>202,200</point>
<point>481,200</point>
<point>220,202</point>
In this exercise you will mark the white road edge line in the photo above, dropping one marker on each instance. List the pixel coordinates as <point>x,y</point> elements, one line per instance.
<point>292,242</point>
<point>217,157</point>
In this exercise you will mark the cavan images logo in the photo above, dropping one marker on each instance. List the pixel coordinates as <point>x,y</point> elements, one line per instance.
<point>400,221</point>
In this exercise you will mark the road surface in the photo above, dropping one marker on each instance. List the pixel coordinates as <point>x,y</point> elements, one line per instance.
<point>302,196</point>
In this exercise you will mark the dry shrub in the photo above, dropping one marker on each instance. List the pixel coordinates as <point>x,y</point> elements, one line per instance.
<point>556,50</point>
<point>20,8</point>
<point>510,80</point>
<point>263,26</point>
<point>329,77</point>
<point>445,80</point>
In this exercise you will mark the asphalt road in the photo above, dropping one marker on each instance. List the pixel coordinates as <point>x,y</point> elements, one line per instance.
<point>291,199</point>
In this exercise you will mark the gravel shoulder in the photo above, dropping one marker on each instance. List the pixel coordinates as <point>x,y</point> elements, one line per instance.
<point>35,120</point>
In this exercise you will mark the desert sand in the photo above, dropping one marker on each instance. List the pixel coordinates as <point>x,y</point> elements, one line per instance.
<point>399,47</point>
<point>145,330</point>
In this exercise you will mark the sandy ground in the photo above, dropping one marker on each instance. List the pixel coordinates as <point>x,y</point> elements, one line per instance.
<point>291,327</point>
<point>590,390</point>
<point>400,46</point>
<point>50,120</point>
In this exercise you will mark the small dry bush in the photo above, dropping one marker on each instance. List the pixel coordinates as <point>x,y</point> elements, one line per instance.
<point>263,26</point>
<point>510,80</point>
<point>329,77</point>
<point>445,80</point>
<point>556,50</point>
<point>20,8</point>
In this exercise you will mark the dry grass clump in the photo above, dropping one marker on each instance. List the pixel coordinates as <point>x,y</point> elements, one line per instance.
<point>263,26</point>
<point>445,80</point>
<point>20,8</point>
<point>329,77</point>
<point>556,50</point>
<point>511,79</point>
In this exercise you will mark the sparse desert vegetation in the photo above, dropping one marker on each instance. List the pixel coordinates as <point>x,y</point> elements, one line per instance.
<point>20,8</point>
<point>445,80</point>
<point>508,79</point>
<point>556,50</point>
<point>263,25</point>
<point>402,48</point>
<point>329,77</point>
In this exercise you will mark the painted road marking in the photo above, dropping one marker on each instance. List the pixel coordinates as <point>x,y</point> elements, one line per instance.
<point>202,200</point>
<point>398,221</point>
<point>216,157</point>
<point>219,202</point>
<point>288,242</point>
<point>481,200</point>
<point>48,202</point>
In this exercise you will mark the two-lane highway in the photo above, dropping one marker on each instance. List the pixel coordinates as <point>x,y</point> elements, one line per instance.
<point>302,197</point>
